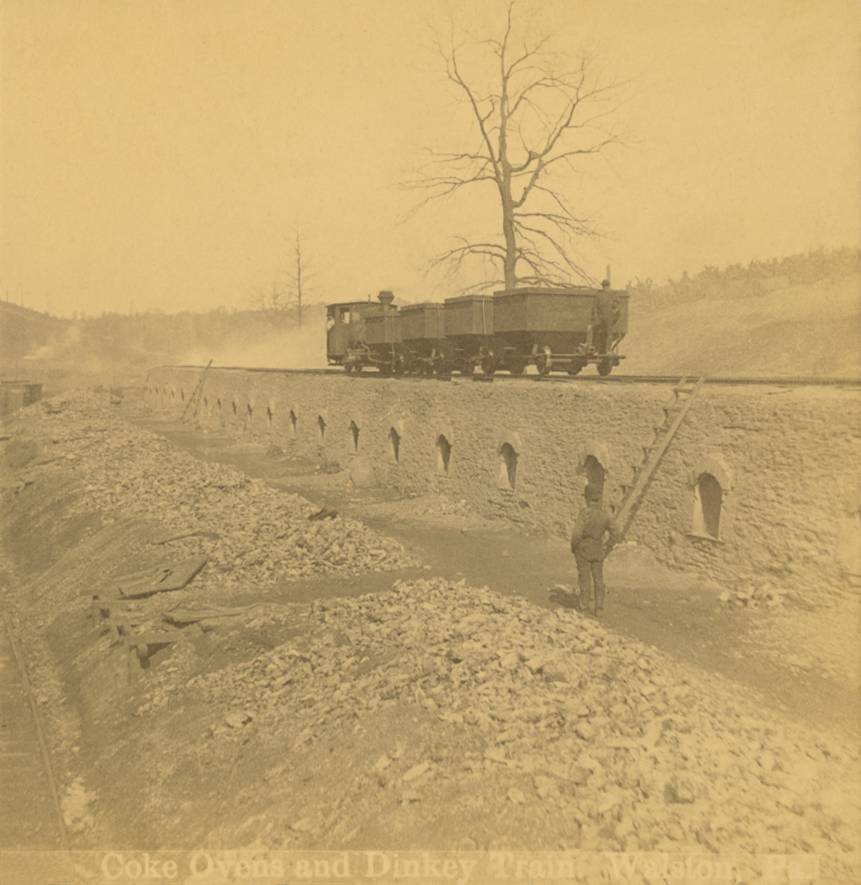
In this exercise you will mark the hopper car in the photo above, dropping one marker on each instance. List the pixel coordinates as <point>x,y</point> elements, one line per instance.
<point>552,329</point>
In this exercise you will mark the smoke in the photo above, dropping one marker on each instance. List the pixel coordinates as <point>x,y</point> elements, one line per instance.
<point>57,346</point>
<point>115,346</point>
<point>303,348</point>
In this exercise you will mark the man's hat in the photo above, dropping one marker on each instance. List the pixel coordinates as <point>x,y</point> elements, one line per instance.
<point>593,492</point>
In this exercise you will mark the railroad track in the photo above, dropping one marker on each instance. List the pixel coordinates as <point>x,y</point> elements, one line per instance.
<point>712,380</point>
<point>30,815</point>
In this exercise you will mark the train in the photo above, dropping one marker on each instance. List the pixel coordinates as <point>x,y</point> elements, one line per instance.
<point>553,329</point>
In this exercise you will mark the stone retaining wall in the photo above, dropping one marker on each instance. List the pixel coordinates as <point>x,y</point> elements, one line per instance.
<point>759,483</point>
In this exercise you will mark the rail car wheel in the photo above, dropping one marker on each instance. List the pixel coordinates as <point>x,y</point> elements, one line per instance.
<point>544,360</point>
<point>467,368</point>
<point>348,368</point>
<point>605,366</point>
<point>517,367</point>
<point>576,367</point>
<point>488,365</point>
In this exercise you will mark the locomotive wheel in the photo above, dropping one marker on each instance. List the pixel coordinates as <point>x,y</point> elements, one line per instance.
<point>439,365</point>
<point>488,365</point>
<point>605,366</point>
<point>544,360</point>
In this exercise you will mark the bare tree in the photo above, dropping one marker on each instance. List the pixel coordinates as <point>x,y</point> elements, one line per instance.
<point>273,300</point>
<point>531,118</point>
<point>298,276</point>
<point>289,297</point>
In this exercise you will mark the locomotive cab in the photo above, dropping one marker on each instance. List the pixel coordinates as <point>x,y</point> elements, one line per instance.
<point>344,328</point>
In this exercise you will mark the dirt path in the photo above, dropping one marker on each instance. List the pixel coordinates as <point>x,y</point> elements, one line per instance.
<point>674,612</point>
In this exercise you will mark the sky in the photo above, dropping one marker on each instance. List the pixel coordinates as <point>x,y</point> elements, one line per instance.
<point>163,155</point>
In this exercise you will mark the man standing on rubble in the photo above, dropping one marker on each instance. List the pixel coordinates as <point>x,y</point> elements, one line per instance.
<point>589,549</point>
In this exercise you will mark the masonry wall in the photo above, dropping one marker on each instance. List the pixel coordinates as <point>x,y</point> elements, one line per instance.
<point>785,459</point>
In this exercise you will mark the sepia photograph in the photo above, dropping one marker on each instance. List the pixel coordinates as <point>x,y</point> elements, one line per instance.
<point>430,442</point>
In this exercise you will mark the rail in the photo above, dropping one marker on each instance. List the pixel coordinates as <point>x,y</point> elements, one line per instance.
<point>22,684</point>
<point>712,380</point>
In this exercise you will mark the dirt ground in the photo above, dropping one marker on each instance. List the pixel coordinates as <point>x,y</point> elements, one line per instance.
<point>676,612</point>
<point>403,674</point>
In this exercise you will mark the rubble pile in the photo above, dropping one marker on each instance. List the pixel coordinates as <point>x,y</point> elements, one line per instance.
<point>767,595</point>
<point>251,534</point>
<point>435,715</point>
<point>622,746</point>
<point>824,642</point>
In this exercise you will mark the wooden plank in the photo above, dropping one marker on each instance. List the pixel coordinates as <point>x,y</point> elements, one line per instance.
<point>168,580</point>
<point>195,616</point>
<point>182,573</point>
<point>191,615</point>
<point>140,578</point>
<point>625,515</point>
<point>154,637</point>
<point>199,533</point>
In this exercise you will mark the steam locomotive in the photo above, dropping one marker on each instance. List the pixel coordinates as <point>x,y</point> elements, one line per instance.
<point>552,329</point>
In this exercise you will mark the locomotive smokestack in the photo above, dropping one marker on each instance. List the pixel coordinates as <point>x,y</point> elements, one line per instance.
<point>385,297</point>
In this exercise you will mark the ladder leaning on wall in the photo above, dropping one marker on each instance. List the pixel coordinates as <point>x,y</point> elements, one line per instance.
<point>194,399</point>
<point>674,414</point>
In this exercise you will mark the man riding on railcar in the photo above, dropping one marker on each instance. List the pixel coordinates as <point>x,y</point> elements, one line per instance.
<point>605,314</point>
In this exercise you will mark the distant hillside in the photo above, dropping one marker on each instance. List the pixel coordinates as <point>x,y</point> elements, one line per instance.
<point>119,349</point>
<point>796,316</point>
<point>239,337</point>
<point>793,316</point>
<point>22,330</point>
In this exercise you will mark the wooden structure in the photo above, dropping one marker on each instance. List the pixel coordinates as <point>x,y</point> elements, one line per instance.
<point>674,414</point>
<point>119,611</point>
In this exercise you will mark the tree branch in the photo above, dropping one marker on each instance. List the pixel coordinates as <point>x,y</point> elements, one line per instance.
<point>529,113</point>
